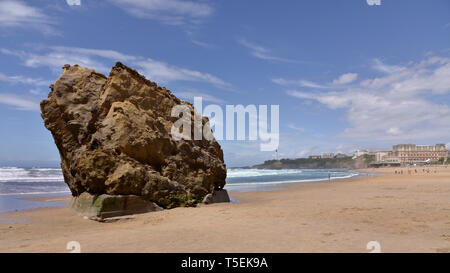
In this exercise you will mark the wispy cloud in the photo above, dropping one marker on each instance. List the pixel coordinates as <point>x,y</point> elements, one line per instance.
<point>163,72</point>
<point>377,64</point>
<point>16,13</point>
<point>399,106</point>
<point>110,54</point>
<point>346,78</point>
<point>18,102</point>
<point>23,80</point>
<point>202,44</point>
<point>73,2</point>
<point>263,53</point>
<point>341,80</point>
<point>36,91</point>
<point>195,41</point>
<point>296,128</point>
<point>301,83</point>
<point>55,59</point>
<point>205,97</point>
<point>101,60</point>
<point>170,12</point>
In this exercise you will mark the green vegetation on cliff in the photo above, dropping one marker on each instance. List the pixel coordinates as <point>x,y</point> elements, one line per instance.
<point>319,163</point>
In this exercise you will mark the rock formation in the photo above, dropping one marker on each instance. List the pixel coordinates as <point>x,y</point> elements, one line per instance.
<point>218,196</point>
<point>114,137</point>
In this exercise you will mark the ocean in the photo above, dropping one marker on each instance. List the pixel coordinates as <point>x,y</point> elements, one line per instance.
<point>260,180</point>
<point>17,183</point>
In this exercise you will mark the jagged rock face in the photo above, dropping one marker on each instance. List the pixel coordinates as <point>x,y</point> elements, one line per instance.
<point>113,135</point>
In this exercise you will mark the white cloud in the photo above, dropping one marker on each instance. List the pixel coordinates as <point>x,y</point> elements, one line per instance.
<point>205,97</point>
<point>73,2</point>
<point>346,78</point>
<point>109,54</point>
<point>100,60</point>
<point>162,72</point>
<point>23,80</point>
<point>56,58</point>
<point>385,68</point>
<point>195,41</point>
<point>36,91</point>
<point>18,14</point>
<point>342,80</point>
<point>18,102</point>
<point>202,44</point>
<point>333,100</point>
<point>262,53</point>
<point>301,83</point>
<point>295,128</point>
<point>399,106</point>
<point>171,12</point>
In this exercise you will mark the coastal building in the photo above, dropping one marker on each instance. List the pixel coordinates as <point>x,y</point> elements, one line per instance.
<point>384,159</point>
<point>340,155</point>
<point>328,155</point>
<point>315,157</point>
<point>379,155</point>
<point>390,159</point>
<point>359,153</point>
<point>411,153</point>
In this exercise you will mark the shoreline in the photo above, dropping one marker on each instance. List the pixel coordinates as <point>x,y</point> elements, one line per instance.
<point>405,213</point>
<point>42,199</point>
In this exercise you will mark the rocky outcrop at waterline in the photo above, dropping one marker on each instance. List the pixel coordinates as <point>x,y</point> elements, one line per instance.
<point>113,134</point>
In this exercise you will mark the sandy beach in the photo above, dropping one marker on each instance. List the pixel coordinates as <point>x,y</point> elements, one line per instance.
<point>404,213</point>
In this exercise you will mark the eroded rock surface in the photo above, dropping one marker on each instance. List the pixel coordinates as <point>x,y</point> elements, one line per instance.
<point>114,137</point>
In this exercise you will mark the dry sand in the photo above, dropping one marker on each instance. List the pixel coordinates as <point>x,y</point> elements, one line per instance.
<point>404,213</point>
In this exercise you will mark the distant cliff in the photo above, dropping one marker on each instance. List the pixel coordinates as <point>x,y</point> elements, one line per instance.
<point>320,163</point>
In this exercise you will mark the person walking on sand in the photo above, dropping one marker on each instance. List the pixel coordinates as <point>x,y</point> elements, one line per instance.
<point>329,176</point>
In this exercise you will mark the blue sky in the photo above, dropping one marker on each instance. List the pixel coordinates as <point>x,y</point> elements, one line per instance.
<point>346,75</point>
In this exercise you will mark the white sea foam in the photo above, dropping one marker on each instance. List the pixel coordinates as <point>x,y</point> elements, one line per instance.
<point>35,192</point>
<point>40,177</point>
<point>262,183</point>
<point>14,174</point>
<point>259,172</point>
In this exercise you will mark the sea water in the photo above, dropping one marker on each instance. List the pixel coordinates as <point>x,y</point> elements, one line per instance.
<point>17,183</point>
<point>263,179</point>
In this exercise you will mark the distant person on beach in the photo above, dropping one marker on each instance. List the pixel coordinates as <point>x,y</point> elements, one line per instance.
<point>329,176</point>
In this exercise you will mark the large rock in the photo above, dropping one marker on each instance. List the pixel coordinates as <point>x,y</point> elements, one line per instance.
<point>113,135</point>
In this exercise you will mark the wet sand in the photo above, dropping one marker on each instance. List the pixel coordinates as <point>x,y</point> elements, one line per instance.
<point>404,213</point>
